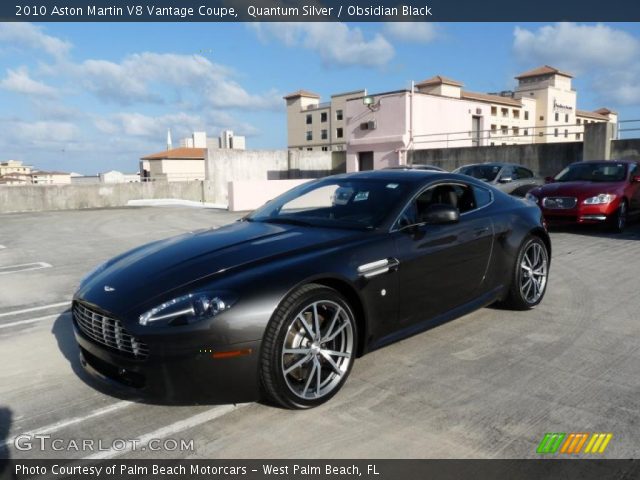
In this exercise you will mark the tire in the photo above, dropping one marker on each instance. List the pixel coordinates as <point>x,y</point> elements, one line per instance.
<point>300,368</point>
<point>528,287</point>
<point>619,219</point>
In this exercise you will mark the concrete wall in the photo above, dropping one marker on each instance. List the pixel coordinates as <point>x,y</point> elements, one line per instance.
<point>629,149</point>
<point>251,194</point>
<point>29,198</point>
<point>545,159</point>
<point>224,166</point>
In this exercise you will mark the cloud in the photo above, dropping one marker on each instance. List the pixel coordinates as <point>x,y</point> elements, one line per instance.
<point>28,35</point>
<point>413,32</point>
<point>335,43</point>
<point>19,81</point>
<point>140,77</point>
<point>609,56</point>
<point>41,132</point>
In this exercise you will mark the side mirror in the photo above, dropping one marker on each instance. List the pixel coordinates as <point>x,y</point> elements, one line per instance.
<point>548,180</point>
<point>505,180</point>
<point>440,214</point>
<point>635,179</point>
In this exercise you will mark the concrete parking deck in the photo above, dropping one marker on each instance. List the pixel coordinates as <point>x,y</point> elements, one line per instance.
<point>487,385</point>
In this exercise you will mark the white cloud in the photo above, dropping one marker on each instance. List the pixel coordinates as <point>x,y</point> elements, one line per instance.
<point>134,80</point>
<point>609,56</point>
<point>42,132</point>
<point>335,43</point>
<point>414,32</point>
<point>19,81</point>
<point>28,35</point>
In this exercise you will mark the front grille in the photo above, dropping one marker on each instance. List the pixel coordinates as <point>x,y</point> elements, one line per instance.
<point>559,203</point>
<point>108,331</point>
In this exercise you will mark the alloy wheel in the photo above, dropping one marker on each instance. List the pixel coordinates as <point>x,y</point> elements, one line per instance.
<point>318,349</point>
<point>533,268</point>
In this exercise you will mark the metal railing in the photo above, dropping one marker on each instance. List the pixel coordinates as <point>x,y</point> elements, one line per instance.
<point>627,126</point>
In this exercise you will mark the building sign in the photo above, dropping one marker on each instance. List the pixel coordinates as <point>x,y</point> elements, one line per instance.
<point>560,106</point>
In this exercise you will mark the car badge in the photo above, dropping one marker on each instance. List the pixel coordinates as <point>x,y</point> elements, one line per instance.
<point>107,288</point>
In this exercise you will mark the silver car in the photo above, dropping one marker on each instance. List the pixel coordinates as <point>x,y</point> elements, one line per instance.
<point>509,177</point>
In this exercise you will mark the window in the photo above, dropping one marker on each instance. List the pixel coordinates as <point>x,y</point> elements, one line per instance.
<point>339,132</point>
<point>505,112</point>
<point>526,115</point>
<point>494,111</point>
<point>541,117</point>
<point>522,172</point>
<point>459,196</point>
<point>494,127</point>
<point>566,118</point>
<point>323,116</point>
<point>555,132</point>
<point>309,135</point>
<point>338,114</point>
<point>526,132</point>
<point>310,149</point>
<point>309,119</point>
<point>579,121</point>
<point>566,133</point>
<point>504,129</point>
<point>557,117</point>
<point>493,144</point>
<point>516,113</point>
<point>325,149</point>
<point>323,134</point>
<point>578,136</point>
<point>516,131</point>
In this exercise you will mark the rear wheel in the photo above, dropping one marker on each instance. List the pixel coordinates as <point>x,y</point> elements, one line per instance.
<point>529,281</point>
<point>309,348</point>
<point>619,219</point>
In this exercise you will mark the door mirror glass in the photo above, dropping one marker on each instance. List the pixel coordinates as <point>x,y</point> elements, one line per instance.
<point>440,214</point>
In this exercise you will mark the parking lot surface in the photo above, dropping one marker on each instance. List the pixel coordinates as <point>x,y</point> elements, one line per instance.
<point>487,385</point>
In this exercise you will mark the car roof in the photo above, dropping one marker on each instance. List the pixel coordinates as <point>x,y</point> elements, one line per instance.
<point>617,160</point>
<point>493,164</point>
<point>411,175</point>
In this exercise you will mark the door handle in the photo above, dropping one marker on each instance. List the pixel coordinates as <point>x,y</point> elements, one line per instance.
<point>479,231</point>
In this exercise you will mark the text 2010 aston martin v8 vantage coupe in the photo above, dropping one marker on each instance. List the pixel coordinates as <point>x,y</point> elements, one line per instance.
<point>281,302</point>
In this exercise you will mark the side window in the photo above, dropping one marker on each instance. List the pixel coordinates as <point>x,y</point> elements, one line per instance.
<point>483,196</point>
<point>508,172</point>
<point>634,169</point>
<point>524,172</point>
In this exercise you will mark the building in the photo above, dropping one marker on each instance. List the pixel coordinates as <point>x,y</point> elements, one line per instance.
<point>176,165</point>
<point>13,172</point>
<point>312,125</point>
<point>114,176</point>
<point>438,112</point>
<point>226,140</point>
<point>41,177</point>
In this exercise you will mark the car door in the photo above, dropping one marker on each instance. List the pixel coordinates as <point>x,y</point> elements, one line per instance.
<point>634,190</point>
<point>442,266</point>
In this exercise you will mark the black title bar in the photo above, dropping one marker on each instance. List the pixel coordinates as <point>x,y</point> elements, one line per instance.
<point>317,11</point>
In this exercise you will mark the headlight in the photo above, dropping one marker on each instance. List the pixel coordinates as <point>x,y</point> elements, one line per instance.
<point>186,309</point>
<point>531,198</point>
<point>600,199</point>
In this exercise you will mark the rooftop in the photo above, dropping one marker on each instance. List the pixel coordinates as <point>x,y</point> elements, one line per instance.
<point>484,97</point>
<point>182,153</point>
<point>543,70</point>
<point>439,80</point>
<point>301,93</point>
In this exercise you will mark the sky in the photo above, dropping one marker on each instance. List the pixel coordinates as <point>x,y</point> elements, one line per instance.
<point>93,97</point>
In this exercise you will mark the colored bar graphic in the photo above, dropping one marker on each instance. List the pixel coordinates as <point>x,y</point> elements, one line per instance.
<point>573,443</point>
<point>550,442</point>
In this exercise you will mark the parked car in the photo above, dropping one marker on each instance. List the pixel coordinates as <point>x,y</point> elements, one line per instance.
<point>604,192</point>
<point>284,300</point>
<point>508,177</point>
<point>416,166</point>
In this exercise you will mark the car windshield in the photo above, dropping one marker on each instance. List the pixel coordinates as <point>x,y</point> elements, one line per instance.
<point>335,203</point>
<point>593,172</point>
<point>486,173</point>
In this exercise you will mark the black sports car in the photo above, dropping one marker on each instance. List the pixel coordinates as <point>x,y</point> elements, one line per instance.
<point>281,302</point>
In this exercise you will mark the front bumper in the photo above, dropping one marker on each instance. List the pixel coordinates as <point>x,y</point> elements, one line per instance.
<point>184,375</point>
<point>582,214</point>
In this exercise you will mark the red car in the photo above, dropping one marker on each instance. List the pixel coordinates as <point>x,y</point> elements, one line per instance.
<point>592,192</point>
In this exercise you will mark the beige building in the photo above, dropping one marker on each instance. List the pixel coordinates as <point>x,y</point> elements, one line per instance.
<point>41,177</point>
<point>14,168</point>
<point>439,113</point>
<point>312,125</point>
<point>176,165</point>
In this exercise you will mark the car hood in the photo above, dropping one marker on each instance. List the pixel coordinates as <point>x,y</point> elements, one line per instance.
<point>576,189</point>
<point>157,268</point>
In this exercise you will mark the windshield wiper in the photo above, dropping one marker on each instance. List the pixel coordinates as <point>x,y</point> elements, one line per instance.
<point>288,221</point>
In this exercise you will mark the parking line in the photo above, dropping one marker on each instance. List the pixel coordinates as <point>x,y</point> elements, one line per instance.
<point>34,309</point>
<point>54,427</point>
<point>2,247</point>
<point>172,429</point>
<point>31,320</point>
<point>24,267</point>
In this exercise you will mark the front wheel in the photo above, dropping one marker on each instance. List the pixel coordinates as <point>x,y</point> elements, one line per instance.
<point>619,219</point>
<point>530,273</point>
<point>309,348</point>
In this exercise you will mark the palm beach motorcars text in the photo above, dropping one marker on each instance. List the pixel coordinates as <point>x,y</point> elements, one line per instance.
<point>128,469</point>
<point>280,303</point>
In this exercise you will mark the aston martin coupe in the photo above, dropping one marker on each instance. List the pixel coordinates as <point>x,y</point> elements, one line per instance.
<point>280,303</point>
